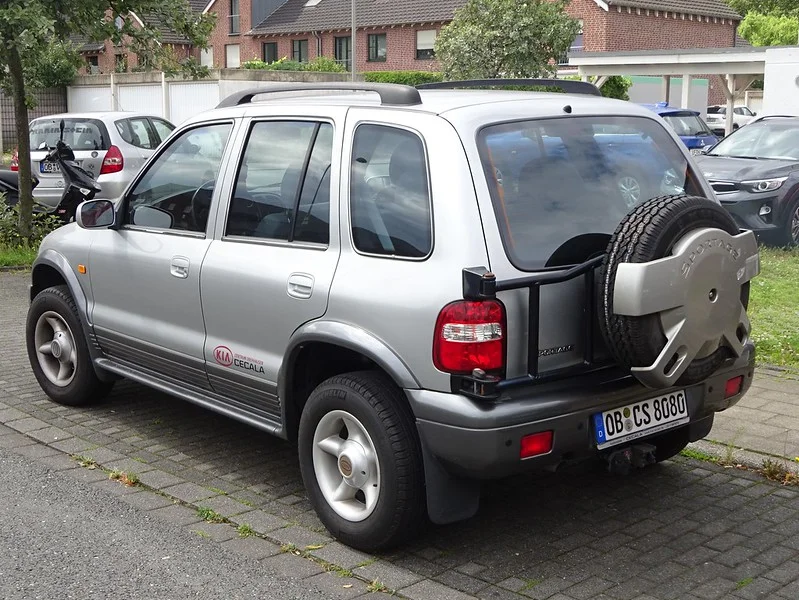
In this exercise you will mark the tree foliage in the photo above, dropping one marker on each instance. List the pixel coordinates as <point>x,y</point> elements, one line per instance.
<point>505,38</point>
<point>34,51</point>
<point>769,30</point>
<point>770,7</point>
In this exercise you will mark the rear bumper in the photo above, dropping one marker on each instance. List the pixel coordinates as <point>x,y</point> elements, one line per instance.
<point>481,440</point>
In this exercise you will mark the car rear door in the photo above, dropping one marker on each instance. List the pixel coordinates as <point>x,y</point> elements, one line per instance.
<point>271,264</point>
<point>88,138</point>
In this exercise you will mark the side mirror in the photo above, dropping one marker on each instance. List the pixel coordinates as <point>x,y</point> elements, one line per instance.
<point>754,114</point>
<point>95,214</point>
<point>149,216</point>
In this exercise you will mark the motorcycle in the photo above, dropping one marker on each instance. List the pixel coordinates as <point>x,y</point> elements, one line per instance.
<point>9,185</point>
<point>79,185</point>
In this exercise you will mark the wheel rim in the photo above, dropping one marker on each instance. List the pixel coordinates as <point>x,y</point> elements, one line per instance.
<point>795,226</point>
<point>346,465</point>
<point>630,190</point>
<point>55,349</point>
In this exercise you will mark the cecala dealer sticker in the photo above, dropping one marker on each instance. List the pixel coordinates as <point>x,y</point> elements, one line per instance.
<point>227,358</point>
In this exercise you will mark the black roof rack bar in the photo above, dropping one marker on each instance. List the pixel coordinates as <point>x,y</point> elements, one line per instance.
<point>399,95</point>
<point>570,86</point>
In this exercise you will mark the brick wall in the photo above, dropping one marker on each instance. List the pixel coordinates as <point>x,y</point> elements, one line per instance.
<point>595,24</point>
<point>641,32</point>
<point>221,37</point>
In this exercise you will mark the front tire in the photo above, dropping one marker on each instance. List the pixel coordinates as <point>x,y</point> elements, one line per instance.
<point>58,352</point>
<point>361,461</point>
<point>790,229</point>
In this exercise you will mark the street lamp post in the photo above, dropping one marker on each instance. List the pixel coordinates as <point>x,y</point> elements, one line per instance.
<point>353,43</point>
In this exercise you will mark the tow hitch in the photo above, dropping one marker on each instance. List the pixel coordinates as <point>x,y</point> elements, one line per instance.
<point>621,462</point>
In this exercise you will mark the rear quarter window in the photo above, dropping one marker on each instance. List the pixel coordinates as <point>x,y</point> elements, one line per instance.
<point>79,134</point>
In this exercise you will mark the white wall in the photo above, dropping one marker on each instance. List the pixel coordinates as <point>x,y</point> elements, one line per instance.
<point>649,90</point>
<point>781,89</point>
<point>140,98</point>
<point>88,98</point>
<point>186,99</point>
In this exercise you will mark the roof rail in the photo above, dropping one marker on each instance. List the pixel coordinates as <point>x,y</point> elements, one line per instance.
<point>390,93</point>
<point>569,86</point>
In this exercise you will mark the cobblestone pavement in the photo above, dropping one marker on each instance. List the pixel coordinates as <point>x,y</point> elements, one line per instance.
<point>684,529</point>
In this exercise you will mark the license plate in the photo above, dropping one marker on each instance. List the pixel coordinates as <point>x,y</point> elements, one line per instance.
<point>641,419</point>
<point>49,167</point>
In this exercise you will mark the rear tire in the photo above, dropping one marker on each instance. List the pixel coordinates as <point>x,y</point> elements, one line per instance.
<point>361,461</point>
<point>789,236</point>
<point>58,352</point>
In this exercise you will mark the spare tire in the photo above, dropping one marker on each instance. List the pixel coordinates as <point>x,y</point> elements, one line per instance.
<point>674,288</point>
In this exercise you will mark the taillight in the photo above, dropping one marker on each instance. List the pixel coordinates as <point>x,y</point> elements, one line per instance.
<point>15,160</point>
<point>113,161</point>
<point>470,335</point>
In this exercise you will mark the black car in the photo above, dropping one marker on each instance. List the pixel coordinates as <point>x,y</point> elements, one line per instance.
<point>755,174</point>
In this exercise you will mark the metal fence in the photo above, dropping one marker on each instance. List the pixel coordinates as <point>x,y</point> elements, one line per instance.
<point>49,101</point>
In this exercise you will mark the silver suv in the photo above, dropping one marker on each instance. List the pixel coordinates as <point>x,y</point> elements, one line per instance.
<point>423,288</point>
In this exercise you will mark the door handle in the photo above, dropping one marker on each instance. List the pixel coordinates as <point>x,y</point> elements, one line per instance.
<point>179,267</point>
<point>300,285</point>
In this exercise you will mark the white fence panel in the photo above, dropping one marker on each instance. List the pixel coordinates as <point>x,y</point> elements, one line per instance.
<point>140,98</point>
<point>88,98</point>
<point>192,97</point>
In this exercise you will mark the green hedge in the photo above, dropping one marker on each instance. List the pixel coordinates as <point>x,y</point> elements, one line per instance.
<point>412,78</point>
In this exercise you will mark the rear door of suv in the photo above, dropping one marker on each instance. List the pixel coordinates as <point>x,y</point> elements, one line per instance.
<point>271,264</point>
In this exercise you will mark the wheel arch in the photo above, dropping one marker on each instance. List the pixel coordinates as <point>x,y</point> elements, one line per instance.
<point>322,349</point>
<point>51,269</point>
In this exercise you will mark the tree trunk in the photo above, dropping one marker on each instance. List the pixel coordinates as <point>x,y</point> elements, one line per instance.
<point>23,142</point>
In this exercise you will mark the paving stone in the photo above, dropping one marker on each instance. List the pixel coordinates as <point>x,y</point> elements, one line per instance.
<point>224,505</point>
<point>260,521</point>
<point>431,590</point>
<point>759,588</point>
<point>343,556</point>
<point>176,514</point>
<point>159,480</point>
<point>338,588</point>
<point>218,532</point>
<point>147,500</point>
<point>290,565</point>
<point>300,537</point>
<point>390,575</point>
<point>189,492</point>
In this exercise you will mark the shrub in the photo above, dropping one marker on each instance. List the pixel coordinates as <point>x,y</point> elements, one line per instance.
<point>41,225</point>
<point>325,65</point>
<point>412,78</point>
<point>320,64</point>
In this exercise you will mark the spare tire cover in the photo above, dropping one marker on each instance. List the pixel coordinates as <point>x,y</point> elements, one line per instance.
<point>674,288</point>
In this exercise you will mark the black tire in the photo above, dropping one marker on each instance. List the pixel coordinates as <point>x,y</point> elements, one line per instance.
<point>379,405</point>
<point>647,233</point>
<point>787,237</point>
<point>85,387</point>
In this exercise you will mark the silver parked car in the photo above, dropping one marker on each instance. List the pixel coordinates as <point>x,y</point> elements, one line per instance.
<point>422,288</point>
<point>111,146</point>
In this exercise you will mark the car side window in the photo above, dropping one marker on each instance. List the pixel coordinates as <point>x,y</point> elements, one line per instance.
<point>162,128</point>
<point>389,193</point>
<point>175,191</point>
<point>282,189</point>
<point>140,134</point>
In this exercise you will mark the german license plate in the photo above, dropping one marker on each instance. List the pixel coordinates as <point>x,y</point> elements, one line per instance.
<point>641,419</point>
<point>49,167</point>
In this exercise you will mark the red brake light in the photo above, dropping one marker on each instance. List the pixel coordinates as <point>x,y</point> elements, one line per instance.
<point>15,160</point>
<point>536,444</point>
<point>113,161</point>
<point>470,335</point>
<point>733,386</point>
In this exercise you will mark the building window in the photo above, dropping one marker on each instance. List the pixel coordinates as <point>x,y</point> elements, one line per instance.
<point>578,45</point>
<point>299,50</point>
<point>93,65</point>
<point>343,52</point>
<point>270,52</point>
<point>425,40</point>
<point>377,47</point>
<point>207,57</point>
<point>232,56</point>
<point>235,18</point>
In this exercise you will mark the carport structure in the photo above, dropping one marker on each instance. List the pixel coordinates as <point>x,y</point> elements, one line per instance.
<point>737,68</point>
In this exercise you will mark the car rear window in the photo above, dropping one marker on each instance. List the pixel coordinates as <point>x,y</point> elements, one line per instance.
<point>716,110</point>
<point>687,124</point>
<point>561,186</point>
<point>79,134</point>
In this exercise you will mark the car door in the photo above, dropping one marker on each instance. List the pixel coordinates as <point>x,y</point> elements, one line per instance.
<point>163,129</point>
<point>141,141</point>
<point>270,268</point>
<point>145,274</point>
